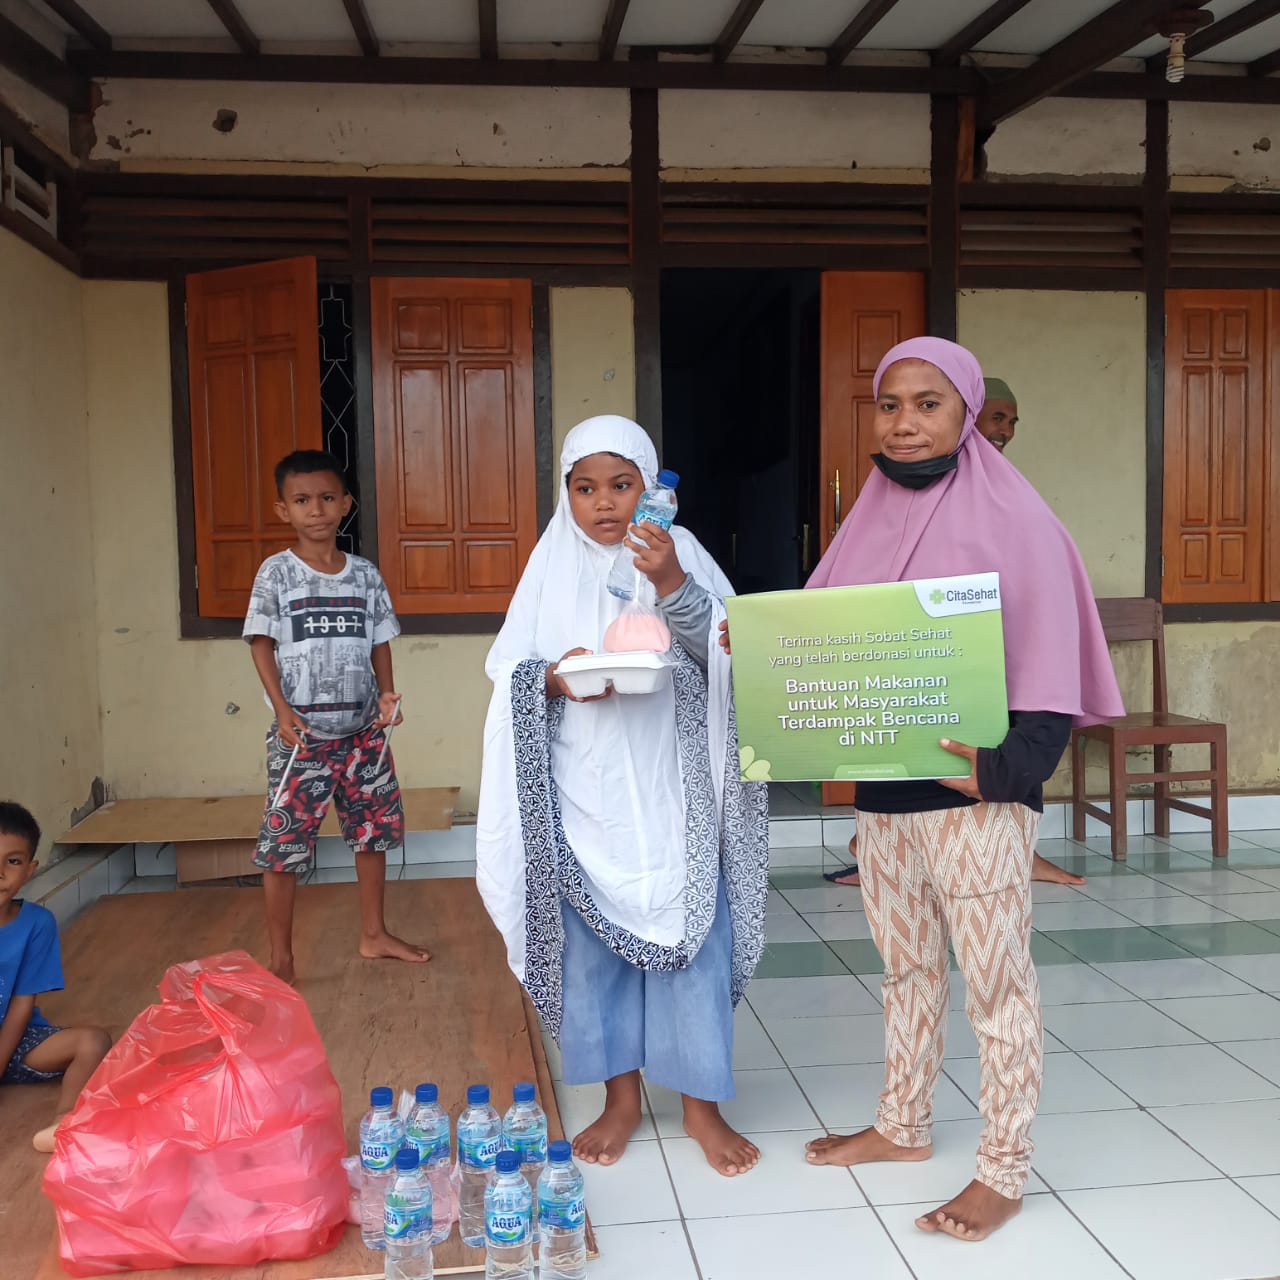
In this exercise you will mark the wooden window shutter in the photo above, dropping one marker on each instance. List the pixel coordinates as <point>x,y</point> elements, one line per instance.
<point>1215,443</point>
<point>454,439</point>
<point>254,363</point>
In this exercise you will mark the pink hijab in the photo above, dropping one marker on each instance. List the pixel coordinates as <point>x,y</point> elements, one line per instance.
<point>984,516</point>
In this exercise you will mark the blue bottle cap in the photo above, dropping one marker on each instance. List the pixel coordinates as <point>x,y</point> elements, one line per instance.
<point>426,1093</point>
<point>668,479</point>
<point>560,1152</point>
<point>380,1097</point>
<point>508,1161</point>
<point>523,1092</point>
<point>407,1158</point>
<point>477,1095</point>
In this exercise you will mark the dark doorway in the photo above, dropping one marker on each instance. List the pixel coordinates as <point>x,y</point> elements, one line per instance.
<point>741,403</point>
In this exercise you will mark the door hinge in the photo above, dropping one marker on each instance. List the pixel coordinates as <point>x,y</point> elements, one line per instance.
<point>531,318</point>
<point>197,577</point>
<point>184,313</point>
<point>1162,566</point>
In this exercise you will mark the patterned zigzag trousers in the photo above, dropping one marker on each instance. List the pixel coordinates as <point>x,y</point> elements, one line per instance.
<point>964,875</point>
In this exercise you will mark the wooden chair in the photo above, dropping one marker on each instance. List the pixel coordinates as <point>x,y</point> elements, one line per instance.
<point>1139,619</point>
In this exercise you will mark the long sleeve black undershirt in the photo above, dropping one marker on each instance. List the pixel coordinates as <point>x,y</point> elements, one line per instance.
<point>1012,773</point>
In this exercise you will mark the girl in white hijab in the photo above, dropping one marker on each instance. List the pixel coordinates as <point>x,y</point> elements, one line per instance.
<point>617,850</point>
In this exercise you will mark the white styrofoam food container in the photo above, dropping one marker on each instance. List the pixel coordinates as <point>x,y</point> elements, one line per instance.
<point>589,674</point>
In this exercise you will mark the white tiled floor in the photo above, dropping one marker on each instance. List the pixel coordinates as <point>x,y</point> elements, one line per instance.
<point>1158,1139</point>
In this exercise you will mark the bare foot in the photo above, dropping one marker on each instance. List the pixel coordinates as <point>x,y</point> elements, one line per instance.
<point>973,1215</point>
<point>727,1151</point>
<point>604,1141</point>
<point>386,946</point>
<point>1050,873</point>
<point>282,967</point>
<point>867,1147</point>
<point>44,1140</point>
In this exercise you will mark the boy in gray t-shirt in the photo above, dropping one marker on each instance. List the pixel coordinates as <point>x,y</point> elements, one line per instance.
<point>320,623</point>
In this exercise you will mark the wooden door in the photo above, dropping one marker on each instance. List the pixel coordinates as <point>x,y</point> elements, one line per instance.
<point>1215,445</point>
<point>253,352</point>
<point>454,440</point>
<point>864,313</point>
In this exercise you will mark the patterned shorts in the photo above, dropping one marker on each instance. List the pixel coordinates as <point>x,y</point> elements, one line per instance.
<point>343,770</point>
<point>17,1072</point>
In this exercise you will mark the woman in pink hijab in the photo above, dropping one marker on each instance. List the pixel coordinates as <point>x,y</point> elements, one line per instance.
<point>952,859</point>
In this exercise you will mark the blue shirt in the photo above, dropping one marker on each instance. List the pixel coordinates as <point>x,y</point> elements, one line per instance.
<point>30,958</point>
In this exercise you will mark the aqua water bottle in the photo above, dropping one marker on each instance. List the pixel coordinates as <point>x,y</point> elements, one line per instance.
<point>656,506</point>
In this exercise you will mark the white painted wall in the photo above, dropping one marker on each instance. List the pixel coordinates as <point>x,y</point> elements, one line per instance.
<point>373,126</point>
<point>1236,142</point>
<point>1071,137</point>
<point>51,746</point>
<point>1077,363</point>
<point>743,130</point>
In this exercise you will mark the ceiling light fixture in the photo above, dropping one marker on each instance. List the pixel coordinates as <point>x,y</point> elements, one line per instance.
<point>1177,28</point>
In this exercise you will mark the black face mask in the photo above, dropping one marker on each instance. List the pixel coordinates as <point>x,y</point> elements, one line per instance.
<point>915,475</point>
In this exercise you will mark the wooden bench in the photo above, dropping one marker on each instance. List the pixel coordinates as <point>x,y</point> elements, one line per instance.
<point>1138,619</point>
<point>214,836</point>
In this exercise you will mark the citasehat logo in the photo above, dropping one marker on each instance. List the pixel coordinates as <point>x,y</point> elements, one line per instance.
<point>937,595</point>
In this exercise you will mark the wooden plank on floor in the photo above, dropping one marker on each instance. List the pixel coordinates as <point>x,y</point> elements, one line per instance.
<point>459,1020</point>
<point>162,820</point>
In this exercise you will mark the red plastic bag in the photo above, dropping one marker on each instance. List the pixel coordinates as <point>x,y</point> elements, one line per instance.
<point>211,1133</point>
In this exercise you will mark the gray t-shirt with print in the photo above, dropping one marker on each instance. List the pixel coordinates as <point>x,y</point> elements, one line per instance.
<point>325,627</point>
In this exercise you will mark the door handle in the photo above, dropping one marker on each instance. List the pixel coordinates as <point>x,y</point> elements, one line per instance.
<point>835,484</point>
<point>804,547</point>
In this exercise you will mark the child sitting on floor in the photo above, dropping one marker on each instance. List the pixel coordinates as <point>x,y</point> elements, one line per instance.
<point>31,1049</point>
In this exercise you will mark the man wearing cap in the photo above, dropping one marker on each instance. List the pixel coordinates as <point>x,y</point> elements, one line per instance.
<point>999,417</point>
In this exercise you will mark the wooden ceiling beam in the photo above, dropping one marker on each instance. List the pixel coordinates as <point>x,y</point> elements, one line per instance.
<point>83,24</point>
<point>489,30</point>
<point>358,16</point>
<point>237,28</point>
<point>41,68</point>
<point>1221,31</point>
<point>989,20</point>
<point>1265,65</point>
<point>136,64</point>
<point>728,39</point>
<point>866,20</point>
<point>612,29</point>
<point>1114,31</point>
<point>130,64</point>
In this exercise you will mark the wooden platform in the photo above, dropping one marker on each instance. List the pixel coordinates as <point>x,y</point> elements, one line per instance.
<point>187,818</point>
<point>459,1020</point>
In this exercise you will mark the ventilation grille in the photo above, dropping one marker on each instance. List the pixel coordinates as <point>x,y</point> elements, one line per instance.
<point>701,214</point>
<point>1243,241</point>
<point>1109,239</point>
<point>208,228</point>
<point>543,223</point>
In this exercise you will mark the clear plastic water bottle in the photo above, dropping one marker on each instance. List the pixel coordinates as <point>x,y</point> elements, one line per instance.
<point>656,506</point>
<point>524,1131</point>
<point>381,1135</point>
<point>562,1217</point>
<point>479,1141</point>
<point>428,1131</point>
<point>508,1222</point>
<point>406,1220</point>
